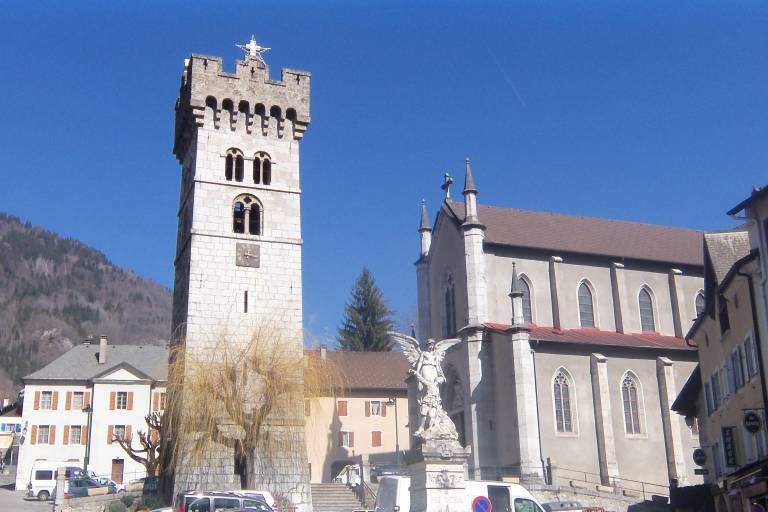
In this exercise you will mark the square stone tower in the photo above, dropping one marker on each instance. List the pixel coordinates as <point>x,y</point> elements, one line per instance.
<point>238,256</point>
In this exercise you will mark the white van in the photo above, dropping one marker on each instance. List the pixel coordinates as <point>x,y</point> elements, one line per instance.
<point>394,495</point>
<point>42,477</point>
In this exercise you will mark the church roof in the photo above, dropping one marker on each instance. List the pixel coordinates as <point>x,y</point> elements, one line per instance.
<point>598,337</point>
<point>587,235</point>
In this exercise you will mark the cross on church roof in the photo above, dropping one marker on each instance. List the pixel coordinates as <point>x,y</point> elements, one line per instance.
<point>446,186</point>
<point>253,50</point>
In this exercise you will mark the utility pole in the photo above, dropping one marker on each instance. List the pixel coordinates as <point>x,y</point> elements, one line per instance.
<point>393,401</point>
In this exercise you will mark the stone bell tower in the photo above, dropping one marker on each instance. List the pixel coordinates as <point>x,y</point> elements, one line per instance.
<point>238,256</point>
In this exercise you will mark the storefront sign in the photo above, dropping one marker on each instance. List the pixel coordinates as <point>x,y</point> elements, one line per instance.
<point>699,457</point>
<point>752,422</point>
<point>729,446</point>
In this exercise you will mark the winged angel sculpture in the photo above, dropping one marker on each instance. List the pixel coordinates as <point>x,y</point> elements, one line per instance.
<point>427,368</point>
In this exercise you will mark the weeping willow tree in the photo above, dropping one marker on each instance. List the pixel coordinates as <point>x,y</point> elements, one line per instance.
<point>245,397</point>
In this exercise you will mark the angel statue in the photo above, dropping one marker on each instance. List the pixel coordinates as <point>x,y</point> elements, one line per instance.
<point>427,368</point>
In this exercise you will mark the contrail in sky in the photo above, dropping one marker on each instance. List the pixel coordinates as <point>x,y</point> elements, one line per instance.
<point>506,78</point>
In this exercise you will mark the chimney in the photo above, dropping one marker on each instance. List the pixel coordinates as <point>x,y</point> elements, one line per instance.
<point>323,352</point>
<point>102,349</point>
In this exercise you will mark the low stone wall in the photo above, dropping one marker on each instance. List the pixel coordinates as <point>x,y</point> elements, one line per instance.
<point>98,503</point>
<point>592,496</point>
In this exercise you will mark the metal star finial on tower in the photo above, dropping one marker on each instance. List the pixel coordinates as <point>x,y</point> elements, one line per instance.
<point>253,50</point>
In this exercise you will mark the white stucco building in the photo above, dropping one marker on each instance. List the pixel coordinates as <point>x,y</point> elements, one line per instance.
<point>77,404</point>
<point>581,380</point>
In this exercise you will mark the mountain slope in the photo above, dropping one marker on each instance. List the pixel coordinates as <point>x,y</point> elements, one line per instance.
<point>55,291</point>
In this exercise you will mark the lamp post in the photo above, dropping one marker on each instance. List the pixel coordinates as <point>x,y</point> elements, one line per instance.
<point>89,409</point>
<point>392,401</point>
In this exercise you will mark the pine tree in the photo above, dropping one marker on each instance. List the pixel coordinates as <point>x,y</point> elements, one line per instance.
<point>367,319</point>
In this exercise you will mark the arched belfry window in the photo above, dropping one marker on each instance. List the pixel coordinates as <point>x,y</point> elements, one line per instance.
<point>645,302</point>
<point>449,299</point>
<point>586,306</point>
<point>234,165</point>
<point>700,303</point>
<point>562,393</point>
<point>525,287</point>
<point>247,215</point>
<point>262,168</point>
<point>630,397</point>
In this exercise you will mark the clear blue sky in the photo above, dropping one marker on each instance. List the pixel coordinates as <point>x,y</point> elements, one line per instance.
<point>646,111</point>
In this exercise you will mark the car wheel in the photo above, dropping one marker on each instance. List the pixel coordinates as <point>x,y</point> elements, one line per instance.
<point>43,495</point>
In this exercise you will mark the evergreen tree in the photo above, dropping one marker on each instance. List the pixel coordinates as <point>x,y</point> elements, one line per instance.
<point>366,318</point>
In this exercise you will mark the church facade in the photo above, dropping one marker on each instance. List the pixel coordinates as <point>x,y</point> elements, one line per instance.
<point>572,344</point>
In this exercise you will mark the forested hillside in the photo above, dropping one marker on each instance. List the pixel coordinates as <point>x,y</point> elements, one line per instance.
<point>55,291</point>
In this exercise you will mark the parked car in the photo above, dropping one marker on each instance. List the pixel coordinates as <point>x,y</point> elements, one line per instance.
<point>42,477</point>
<point>215,501</point>
<point>80,486</point>
<point>103,480</point>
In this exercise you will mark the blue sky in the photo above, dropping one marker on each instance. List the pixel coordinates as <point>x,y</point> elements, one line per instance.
<point>645,111</point>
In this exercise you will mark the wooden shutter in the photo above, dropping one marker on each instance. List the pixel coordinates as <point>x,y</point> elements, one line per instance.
<point>351,439</point>
<point>130,400</point>
<point>127,432</point>
<point>65,439</point>
<point>342,405</point>
<point>87,399</point>
<point>110,434</point>
<point>383,409</point>
<point>111,400</point>
<point>37,400</point>
<point>367,408</point>
<point>33,435</point>
<point>84,434</point>
<point>155,401</point>
<point>68,402</point>
<point>376,438</point>
<point>52,435</point>
<point>54,400</point>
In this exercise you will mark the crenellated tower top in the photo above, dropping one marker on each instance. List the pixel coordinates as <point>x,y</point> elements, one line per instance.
<point>244,100</point>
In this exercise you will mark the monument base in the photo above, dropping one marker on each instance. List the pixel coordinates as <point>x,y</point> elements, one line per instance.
<point>438,469</point>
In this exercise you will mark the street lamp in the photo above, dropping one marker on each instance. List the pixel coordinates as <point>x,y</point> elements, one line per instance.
<point>392,401</point>
<point>89,409</point>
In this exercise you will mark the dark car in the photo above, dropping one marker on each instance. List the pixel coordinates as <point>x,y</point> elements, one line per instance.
<point>78,487</point>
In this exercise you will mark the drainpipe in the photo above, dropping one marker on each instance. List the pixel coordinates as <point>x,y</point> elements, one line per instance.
<point>757,341</point>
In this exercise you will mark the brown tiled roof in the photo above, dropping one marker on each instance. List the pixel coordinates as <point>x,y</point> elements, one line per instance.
<point>588,235</point>
<point>371,370</point>
<point>598,337</point>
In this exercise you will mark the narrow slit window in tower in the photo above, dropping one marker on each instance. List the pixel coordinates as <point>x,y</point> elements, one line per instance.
<point>267,171</point>
<point>245,301</point>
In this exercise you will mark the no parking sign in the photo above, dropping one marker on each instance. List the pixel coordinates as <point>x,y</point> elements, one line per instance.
<point>481,504</point>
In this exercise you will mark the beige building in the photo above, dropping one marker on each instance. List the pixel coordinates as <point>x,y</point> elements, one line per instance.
<point>365,426</point>
<point>726,394</point>
<point>75,406</point>
<point>577,383</point>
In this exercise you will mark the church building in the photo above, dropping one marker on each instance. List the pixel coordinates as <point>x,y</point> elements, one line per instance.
<point>572,346</point>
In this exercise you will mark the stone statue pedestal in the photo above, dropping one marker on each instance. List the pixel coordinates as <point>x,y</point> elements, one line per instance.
<point>438,469</point>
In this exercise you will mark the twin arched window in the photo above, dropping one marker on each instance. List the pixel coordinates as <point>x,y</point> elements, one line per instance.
<point>234,167</point>
<point>246,215</point>
<point>562,391</point>
<point>586,306</point>
<point>630,397</point>
<point>647,322</point>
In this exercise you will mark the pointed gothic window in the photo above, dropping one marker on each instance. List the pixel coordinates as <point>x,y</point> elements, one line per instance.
<point>562,392</point>
<point>631,401</point>
<point>647,323</point>
<point>699,303</point>
<point>450,309</point>
<point>238,218</point>
<point>526,289</point>
<point>586,309</point>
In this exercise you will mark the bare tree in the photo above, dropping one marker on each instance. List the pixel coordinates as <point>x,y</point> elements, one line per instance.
<point>148,454</point>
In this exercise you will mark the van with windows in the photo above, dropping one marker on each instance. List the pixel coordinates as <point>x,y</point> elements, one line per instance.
<point>394,495</point>
<point>217,501</point>
<point>42,477</point>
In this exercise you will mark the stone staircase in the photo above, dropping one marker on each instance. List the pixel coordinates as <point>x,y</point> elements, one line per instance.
<point>334,498</point>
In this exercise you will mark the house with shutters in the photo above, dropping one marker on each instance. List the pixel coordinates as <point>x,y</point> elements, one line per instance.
<point>76,405</point>
<point>367,424</point>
